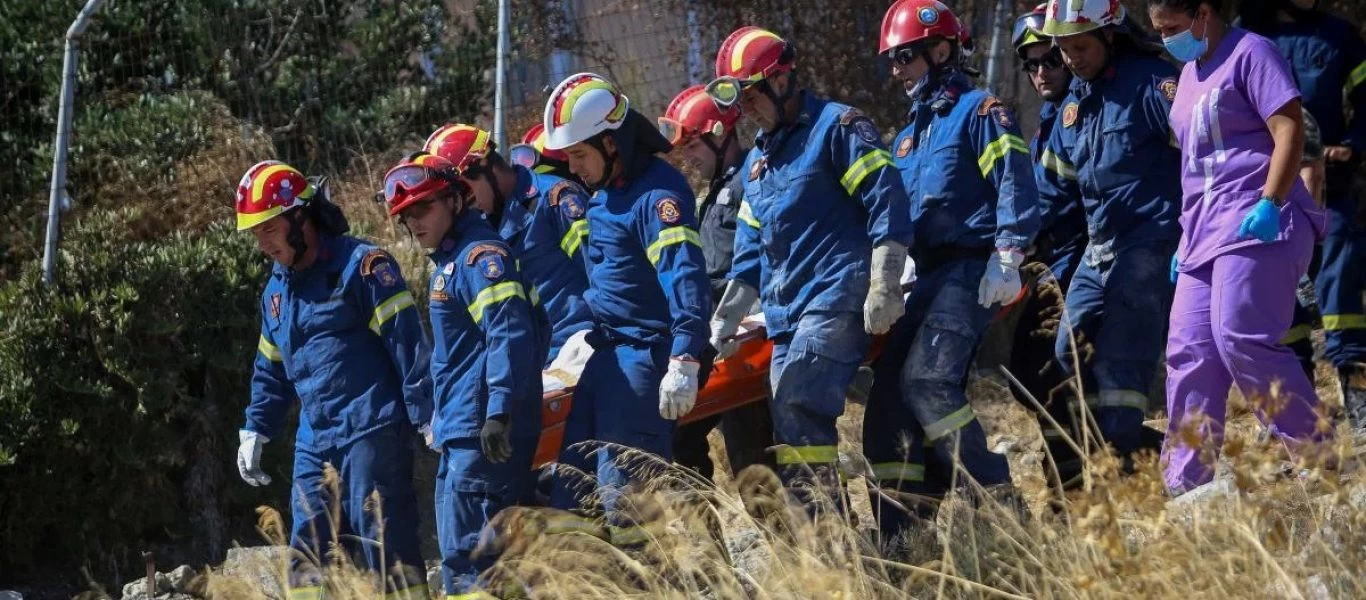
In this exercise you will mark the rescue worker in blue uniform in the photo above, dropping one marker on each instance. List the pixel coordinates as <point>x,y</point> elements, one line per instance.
<point>1058,247</point>
<point>1328,58</point>
<point>706,137</point>
<point>525,207</point>
<point>1113,147</point>
<point>647,290</point>
<point>340,334</point>
<point>490,341</point>
<point>821,240</point>
<point>966,169</point>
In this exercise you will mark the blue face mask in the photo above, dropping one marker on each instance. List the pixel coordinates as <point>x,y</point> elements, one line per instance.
<point>1184,47</point>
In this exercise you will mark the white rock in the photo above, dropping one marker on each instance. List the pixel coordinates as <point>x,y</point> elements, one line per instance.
<point>10,595</point>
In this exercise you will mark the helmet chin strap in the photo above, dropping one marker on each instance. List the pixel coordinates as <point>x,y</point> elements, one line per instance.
<point>607,161</point>
<point>295,235</point>
<point>780,102</point>
<point>719,154</point>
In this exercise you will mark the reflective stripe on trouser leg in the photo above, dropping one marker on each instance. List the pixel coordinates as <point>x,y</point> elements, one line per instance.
<point>1341,279</point>
<point>935,371</point>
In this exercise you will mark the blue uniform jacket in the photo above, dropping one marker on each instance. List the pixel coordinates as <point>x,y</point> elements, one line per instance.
<point>1062,225</point>
<point>490,337</point>
<point>342,336</point>
<point>542,222</point>
<point>967,172</point>
<point>818,195</point>
<point>647,277</point>
<point>1114,148</point>
<point>1327,56</point>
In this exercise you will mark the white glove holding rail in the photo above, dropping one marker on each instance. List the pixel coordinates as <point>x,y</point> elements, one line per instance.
<point>678,390</point>
<point>734,305</point>
<point>249,457</point>
<point>885,303</point>
<point>1001,282</point>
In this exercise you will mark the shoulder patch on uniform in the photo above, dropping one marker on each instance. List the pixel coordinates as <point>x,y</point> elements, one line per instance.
<point>987,104</point>
<point>1168,88</point>
<point>668,211</point>
<point>1069,114</point>
<point>275,306</point>
<point>849,115</point>
<point>905,147</point>
<point>756,168</point>
<point>863,126</point>
<point>381,266</point>
<point>476,252</point>
<point>569,200</point>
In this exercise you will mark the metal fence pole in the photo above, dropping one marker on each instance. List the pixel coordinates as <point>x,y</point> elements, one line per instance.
<point>57,196</point>
<point>500,80</point>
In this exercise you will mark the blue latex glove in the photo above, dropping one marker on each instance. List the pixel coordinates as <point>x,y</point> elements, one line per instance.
<point>1174,272</point>
<point>1262,222</point>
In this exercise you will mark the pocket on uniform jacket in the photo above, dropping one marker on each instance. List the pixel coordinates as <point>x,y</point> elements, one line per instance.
<point>332,314</point>
<point>1121,134</point>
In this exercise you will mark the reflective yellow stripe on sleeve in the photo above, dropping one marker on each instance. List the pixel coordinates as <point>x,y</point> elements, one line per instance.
<point>306,593</point>
<point>387,309</point>
<point>480,595</point>
<point>1357,77</point>
<point>492,295</point>
<point>998,149</point>
<point>669,237</point>
<point>955,421</point>
<point>269,350</point>
<point>746,214</point>
<point>863,167</point>
<point>1056,164</point>
<point>796,455</point>
<point>1341,322</point>
<point>574,237</point>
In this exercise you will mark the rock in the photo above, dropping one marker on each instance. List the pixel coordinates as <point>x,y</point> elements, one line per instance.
<point>10,595</point>
<point>137,589</point>
<point>261,567</point>
<point>1221,488</point>
<point>434,581</point>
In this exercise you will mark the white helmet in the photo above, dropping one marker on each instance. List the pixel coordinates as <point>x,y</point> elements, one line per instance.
<point>1072,17</point>
<point>581,107</point>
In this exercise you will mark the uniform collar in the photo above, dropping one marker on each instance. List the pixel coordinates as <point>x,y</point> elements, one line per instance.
<point>731,169</point>
<point>949,90</point>
<point>517,214</point>
<point>811,108</point>
<point>1083,88</point>
<point>451,242</point>
<point>332,257</point>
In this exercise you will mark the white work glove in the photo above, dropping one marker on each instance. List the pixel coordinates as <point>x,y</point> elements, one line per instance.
<point>885,304</point>
<point>249,457</point>
<point>574,354</point>
<point>678,390</point>
<point>1001,282</point>
<point>733,307</point>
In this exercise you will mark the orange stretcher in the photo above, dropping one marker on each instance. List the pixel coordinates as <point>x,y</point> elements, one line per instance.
<point>734,382</point>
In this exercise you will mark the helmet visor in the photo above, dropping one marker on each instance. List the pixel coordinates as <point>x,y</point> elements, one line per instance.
<point>673,130</point>
<point>1024,26</point>
<point>725,91</point>
<point>524,155</point>
<point>403,179</point>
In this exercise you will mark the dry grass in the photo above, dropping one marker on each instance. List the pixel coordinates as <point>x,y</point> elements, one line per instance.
<point>1269,536</point>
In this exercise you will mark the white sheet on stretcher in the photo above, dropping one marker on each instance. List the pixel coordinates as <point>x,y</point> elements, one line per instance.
<point>563,375</point>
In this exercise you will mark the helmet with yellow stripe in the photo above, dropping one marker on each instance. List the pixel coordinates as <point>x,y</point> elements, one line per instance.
<point>581,107</point>
<point>1028,29</point>
<point>753,54</point>
<point>269,189</point>
<point>462,145</point>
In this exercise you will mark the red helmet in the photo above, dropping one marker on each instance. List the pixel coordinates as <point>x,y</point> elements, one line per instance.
<point>536,138</point>
<point>752,54</point>
<point>693,113</point>
<point>462,145</point>
<point>269,188</point>
<point>910,21</point>
<point>416,179</point>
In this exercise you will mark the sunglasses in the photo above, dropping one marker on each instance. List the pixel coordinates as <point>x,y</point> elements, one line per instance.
<point>1050,61</point>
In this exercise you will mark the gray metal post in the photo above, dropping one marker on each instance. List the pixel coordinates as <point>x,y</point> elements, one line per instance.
<point>57,195</point>
<point>999,12</point>
<point>500,80</point>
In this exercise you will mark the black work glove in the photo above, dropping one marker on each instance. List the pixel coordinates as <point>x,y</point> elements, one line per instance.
<point>495,439</point>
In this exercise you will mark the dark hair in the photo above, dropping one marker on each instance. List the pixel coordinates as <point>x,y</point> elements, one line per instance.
<point>1188,6</point>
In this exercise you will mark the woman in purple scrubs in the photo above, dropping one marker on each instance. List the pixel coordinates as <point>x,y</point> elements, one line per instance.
<point>1249,227</point>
